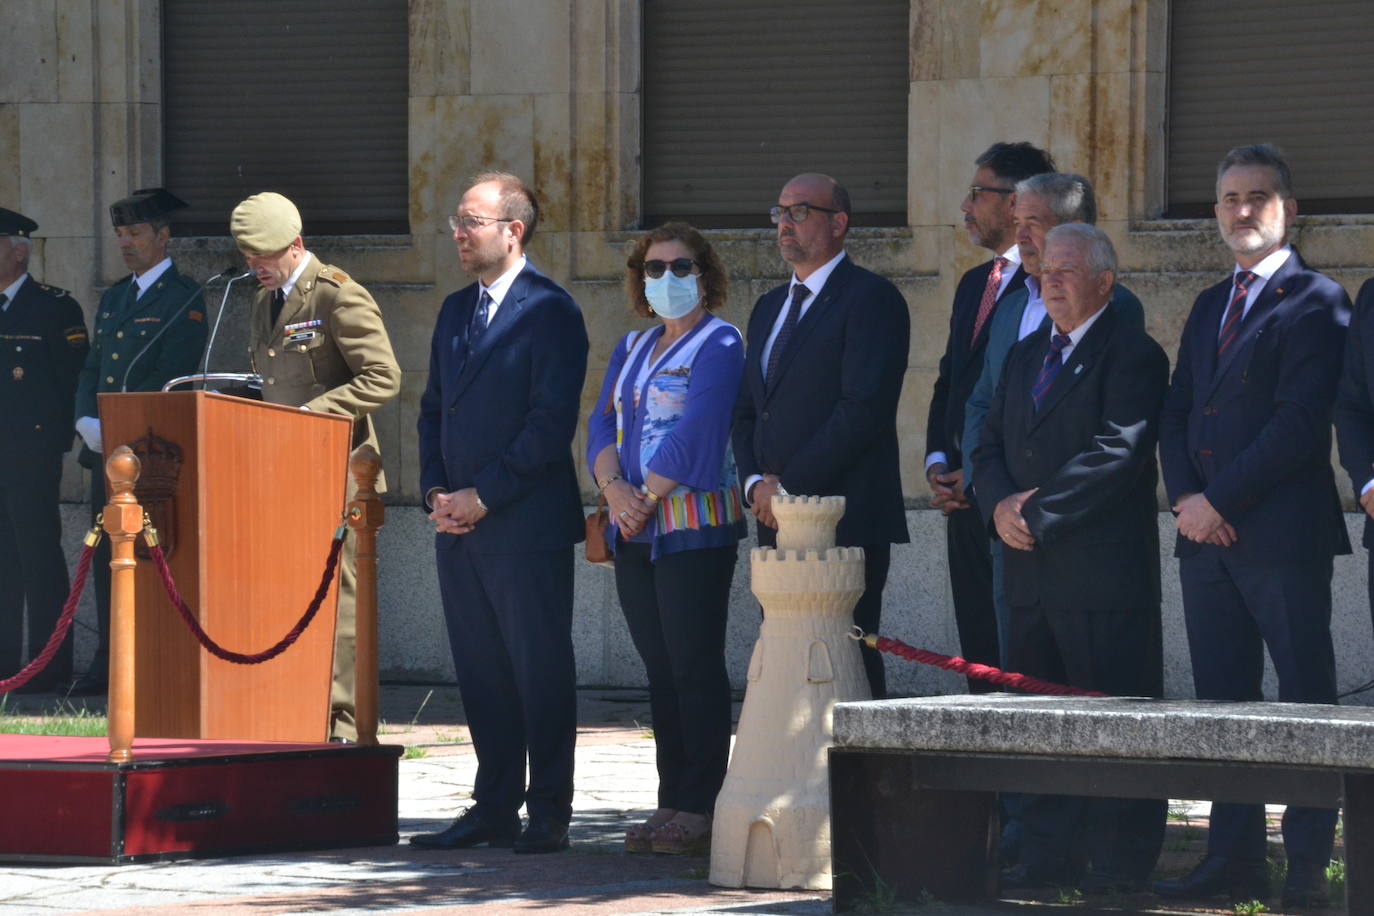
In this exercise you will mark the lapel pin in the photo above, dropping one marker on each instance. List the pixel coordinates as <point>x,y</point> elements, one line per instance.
<point>1077,369</point>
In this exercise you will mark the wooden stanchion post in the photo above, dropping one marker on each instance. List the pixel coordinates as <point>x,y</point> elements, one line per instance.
<point>123,522</point>
<point>366,514</point>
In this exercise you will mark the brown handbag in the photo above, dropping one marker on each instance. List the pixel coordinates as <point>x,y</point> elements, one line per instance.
<point>598,551</point>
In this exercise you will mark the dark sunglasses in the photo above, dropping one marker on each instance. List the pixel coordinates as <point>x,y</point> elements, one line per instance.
<point>681,267</point>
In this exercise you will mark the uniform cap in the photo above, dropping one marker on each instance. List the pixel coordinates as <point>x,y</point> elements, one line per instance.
<point>144,206</point>
<point>265,223</point>
<point>12,223</point>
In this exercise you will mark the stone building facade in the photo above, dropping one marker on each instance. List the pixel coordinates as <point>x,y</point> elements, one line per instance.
<point>552,90</point>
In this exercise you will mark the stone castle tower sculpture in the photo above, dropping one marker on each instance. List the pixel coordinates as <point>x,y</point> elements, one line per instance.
<point>772,818</point>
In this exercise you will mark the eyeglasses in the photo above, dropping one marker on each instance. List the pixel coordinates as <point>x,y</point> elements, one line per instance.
<point>796,212</point>
<point>973,190</point>
<point>471,223</point>
<point>681,267</point>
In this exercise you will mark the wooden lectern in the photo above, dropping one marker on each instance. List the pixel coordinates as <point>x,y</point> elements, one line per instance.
<point>246,497</point>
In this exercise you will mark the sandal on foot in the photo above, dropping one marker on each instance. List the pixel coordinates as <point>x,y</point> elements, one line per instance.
<point>640,837</point>
<point>676,838</point>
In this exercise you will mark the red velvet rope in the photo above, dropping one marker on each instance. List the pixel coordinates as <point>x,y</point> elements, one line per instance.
<point>59,633</point>
<point>982,672</point>
<point>240,658</point>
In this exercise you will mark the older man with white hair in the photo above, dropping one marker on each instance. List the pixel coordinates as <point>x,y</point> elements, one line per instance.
<point>1066,479</point>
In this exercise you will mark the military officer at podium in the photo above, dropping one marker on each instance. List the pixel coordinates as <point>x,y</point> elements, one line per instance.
<point>42,346</point>
<point>317,339</point>
<point>149,329</point>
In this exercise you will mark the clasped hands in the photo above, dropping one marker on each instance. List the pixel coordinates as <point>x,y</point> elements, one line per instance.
<point>630,507</point>
<point>761,499</point>
<point>457,512</point>
<point>1199,521</point>
<point>947,487</point>
<point>1010,524</point>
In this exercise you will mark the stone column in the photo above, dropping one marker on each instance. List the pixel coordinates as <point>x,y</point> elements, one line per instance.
<point>772,818</point>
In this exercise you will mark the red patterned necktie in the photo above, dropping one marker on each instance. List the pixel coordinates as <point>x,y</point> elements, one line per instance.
<point>994,285</point>
<point>1235,311</point>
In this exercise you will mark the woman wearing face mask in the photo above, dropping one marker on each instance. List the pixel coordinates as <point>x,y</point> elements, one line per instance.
<point>659,446</point>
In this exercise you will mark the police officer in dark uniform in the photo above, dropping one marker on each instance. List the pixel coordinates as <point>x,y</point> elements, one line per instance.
<point>42,346</point>
<point>149,329</point>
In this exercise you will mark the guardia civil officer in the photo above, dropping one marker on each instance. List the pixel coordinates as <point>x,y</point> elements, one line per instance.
<point>317,339</point>
<point>42,346</point>
<point>149,329</point>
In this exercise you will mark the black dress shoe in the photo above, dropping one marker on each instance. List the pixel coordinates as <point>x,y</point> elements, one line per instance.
<point>543,834</point>
<point>1240,879</point>
<point>1305,885</point>
<point>472,828</point>
<point>90,684</point>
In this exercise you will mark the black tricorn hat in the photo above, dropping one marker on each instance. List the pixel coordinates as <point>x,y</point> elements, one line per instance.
<point>12,223</point>
<point>144,206</point>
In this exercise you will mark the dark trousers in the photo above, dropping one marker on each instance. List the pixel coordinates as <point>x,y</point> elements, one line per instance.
<point>509,622</point>
<point>1119,652</point>
<point>676,609</point>
<point>100,577</point>
<point>868,612</point>
<point>33,569</point>
<point>1233,613</point>
<point>970,579</point>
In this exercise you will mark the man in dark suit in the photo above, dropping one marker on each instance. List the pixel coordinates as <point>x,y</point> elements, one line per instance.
<point>1066,479</point>
<point>149,329</point>
<point>987,212</point>
<point>42,346</point>
<point>497,417</point>
<point>1245,443</point>
<point>1355,413</point>
<point>817,413</point>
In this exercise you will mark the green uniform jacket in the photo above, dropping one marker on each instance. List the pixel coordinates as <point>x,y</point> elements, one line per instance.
<point>123,328</point>
<point>43,343</point>
<point>329,349</point>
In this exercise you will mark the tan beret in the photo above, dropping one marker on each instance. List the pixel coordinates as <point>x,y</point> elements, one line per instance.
<point>265,223</point>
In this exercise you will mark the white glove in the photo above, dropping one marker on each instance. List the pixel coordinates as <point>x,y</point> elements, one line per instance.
<point>89,430</point>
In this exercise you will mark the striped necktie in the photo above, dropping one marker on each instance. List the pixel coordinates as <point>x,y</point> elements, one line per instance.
<point>1235,312</point>
<point>1050,369</point>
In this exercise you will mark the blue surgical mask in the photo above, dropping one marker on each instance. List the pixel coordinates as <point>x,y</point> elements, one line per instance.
<point>670,295</point>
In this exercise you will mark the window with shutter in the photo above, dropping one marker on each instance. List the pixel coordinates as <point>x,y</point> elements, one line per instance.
<point>1292,74</point>
<point>740,95</point>
<point>306,98</point>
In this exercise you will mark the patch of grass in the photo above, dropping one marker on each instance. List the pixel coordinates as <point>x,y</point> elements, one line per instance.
<point>1249,907</point>
<point>1335,879</point>
<point>1069,896</point>
<point>64,719</point>
<point>413,752</point>
<point>1178,812</point>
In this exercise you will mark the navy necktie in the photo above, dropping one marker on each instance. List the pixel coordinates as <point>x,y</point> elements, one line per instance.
<point>478,327</point>
<point>789,324</point>
<point>1054,361</point>
<point>1235,312</point>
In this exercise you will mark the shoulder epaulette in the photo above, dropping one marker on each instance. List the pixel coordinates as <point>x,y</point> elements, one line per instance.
<point>56,291</point>
<point>333,275</point>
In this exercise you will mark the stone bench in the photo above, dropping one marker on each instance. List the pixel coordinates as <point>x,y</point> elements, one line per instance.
<point>913,782</point>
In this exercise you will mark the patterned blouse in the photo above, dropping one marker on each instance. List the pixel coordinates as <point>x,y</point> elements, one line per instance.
<point>672,416</point>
